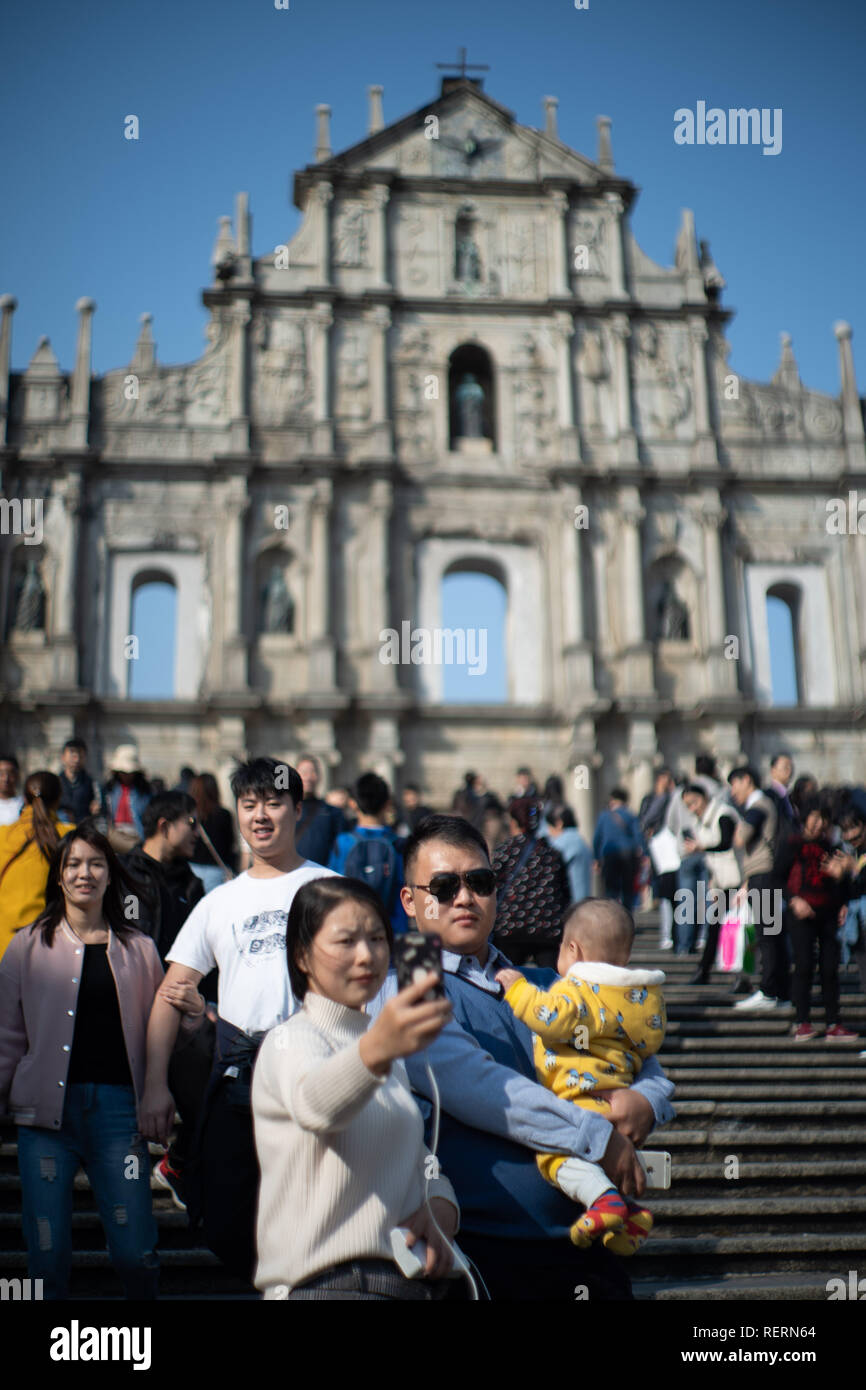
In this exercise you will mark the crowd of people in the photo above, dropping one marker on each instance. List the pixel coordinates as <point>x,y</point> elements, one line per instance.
<point>220,983</point>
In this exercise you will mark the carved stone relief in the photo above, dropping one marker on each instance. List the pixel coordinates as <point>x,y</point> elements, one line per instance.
<point>281,383</point>
<point>352,373</point>
<point>349,237</point>
<point>662,370</point>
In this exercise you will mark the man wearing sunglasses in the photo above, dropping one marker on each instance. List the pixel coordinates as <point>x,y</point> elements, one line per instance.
<point>495,1115</point>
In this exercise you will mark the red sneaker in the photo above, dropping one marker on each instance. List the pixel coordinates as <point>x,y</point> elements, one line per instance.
<point>837,1031</point>
<point>804,1032</point>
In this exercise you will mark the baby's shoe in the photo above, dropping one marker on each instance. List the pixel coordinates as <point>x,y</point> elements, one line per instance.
<point>603,1218</point>
<point>630,1236</point>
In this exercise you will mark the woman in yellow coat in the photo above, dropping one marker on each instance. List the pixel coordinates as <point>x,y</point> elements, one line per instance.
<point>26,847</point>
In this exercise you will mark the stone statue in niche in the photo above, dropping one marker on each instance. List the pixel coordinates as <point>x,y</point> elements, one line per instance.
<point>672,616</point>
<point>469,397</point>
<point>468,257</point>
<point>277,605</point>
<point>29,607</point>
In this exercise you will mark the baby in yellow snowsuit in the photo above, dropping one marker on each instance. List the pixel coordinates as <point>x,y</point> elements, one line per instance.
<point>592,1031</point>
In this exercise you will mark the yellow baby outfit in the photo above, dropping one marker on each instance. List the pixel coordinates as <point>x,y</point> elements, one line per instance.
<point>593,1030</point>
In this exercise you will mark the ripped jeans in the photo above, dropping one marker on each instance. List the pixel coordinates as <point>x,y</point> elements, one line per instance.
<point>100,1134</point>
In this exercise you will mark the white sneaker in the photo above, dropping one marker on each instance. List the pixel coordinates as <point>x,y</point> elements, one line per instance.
<point>666,945</point>
<point>757,1003</point>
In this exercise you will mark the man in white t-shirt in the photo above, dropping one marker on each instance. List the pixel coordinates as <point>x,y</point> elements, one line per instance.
<point>241,929</point>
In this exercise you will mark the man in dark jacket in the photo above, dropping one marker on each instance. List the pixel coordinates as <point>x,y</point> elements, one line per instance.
<point>319,824</point>
<point>79,798</point>
<point>161,865</point>
<point>170,891</point>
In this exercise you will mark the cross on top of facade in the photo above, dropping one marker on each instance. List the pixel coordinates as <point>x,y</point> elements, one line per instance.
<point>463,65</point>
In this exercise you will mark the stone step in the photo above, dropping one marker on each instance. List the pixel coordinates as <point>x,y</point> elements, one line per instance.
<point>833,1053</point>
<point>712,1091</point>
<point>709,1066</point>
<point>806,1285</point>
<point>735,1206</point>
<point>746,1110</point>
<point>732,1137</point>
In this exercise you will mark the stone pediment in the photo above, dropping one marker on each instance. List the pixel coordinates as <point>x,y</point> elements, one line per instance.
<point>463,134</point>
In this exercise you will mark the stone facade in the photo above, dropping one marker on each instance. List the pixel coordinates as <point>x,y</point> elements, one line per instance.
<point>635,496</point>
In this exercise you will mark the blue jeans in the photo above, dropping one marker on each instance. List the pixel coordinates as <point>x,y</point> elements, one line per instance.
<point>692,871</point>
<point>100,1134</point>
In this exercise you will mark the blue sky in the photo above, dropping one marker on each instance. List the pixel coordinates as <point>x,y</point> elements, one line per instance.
<point>225,93</point>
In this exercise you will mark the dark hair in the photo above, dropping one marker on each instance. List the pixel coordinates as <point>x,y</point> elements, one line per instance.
<point>745,770</point>
<point>780,753</point>
<point>524,810</point>
<point>42,793</point>
<point>76,744</point>
<point>523,772</point>
<point>469,778</point>
<point>696,789</point>
<point>412,787</point>
<point>264,777</point>
<point>120,883</point>
<point>618,794</point>
<point>311,905</point>
<point>560,814</point>
<point>10,758</point>
<point>206,794</point>
<point>800,788</point>
<point>452,830</point>
<point>814,803</point>
<point>705,766</point>
<point>371,793</point>
<point>136,780</point>
<point>663,771</point>
<point>310,758</point>
<point>170,806</point>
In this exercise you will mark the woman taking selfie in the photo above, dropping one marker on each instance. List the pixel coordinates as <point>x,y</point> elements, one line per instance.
<point>339,1137</point>
<point>76,989</point>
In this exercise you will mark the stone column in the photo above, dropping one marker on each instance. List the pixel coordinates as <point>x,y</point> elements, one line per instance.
<point>382,440</point>
<point>626,439</point>
<point>80,396</point>
<point>636,669</point>
<point>323,194</point>
<point>642,750</point>
<point>8,304</point>
<point>322,657</point>
<point>852,417</point>
<point>377,198</point>
<point>563,331</point>
<point>377,605</point>
<point>239,426</point>
<point>581,788</point>
<point>705,443</point>
<point>323,427</point>
<point>577,652</point>
<point>64,640</point>
<point>559,282</point>
<point>233,563</point>
<point>617,288</point>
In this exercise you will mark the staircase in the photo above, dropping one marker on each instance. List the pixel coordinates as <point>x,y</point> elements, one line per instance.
<point>768,1149</point>
<point>789,1119</point>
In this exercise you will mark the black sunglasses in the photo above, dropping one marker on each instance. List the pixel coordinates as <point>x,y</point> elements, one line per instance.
<point>445,887</point>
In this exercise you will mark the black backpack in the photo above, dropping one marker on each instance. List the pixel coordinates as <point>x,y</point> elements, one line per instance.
<point>786,839</point>
<point>373,859</point>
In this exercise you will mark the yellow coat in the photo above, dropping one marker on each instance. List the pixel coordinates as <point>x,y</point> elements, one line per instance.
<point>22,888</point>
<point>592,1031</point>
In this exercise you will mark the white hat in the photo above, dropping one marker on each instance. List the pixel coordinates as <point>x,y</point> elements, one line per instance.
<point>125,759</point>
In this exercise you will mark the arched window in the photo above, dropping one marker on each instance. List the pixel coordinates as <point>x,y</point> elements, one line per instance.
<point>470,396</point>
<point>151,645</point>
<point>473,635</point>
<point>783,625</point>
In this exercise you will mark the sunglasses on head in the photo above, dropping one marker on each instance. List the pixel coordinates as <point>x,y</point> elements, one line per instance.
<point>445,887</point>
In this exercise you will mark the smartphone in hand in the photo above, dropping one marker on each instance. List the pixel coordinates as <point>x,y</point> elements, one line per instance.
<point>416,954</point>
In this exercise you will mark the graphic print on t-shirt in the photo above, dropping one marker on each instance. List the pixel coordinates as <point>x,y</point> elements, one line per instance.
<point>261,936</point>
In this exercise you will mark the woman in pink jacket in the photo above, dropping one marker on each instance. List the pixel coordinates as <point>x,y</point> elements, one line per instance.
<point>76,989</point>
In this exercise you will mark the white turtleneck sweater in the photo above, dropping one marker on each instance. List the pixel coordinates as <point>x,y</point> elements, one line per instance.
<point>341,1150</point>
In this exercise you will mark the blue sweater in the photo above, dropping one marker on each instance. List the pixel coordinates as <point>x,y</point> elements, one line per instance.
<point>500,1188</point>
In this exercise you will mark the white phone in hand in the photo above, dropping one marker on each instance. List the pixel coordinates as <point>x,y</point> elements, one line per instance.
<point>657,1166</point>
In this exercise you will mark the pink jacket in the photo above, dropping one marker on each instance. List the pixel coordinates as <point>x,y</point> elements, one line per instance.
<point>38,998</point>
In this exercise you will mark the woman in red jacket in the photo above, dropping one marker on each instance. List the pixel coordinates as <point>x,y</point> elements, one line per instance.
<point>815,902</point>
<point>76,989</point>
